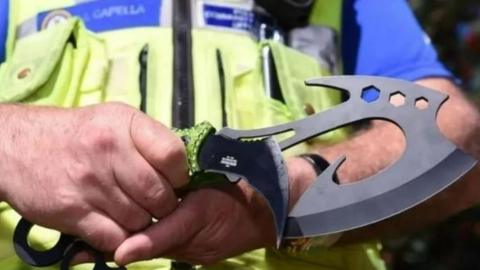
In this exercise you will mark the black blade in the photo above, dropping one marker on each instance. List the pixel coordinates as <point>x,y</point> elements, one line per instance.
<point>319,213</point>
<point>259,162</point>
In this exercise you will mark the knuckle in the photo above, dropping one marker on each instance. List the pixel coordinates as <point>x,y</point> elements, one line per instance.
<point>67,202</point>
<point>173,150</point>
<point>155,195</point>
<point>81,172</point>
<point>100,139</point>
<point>160,200</point>
<point>146,178</point>
<point>103,241</point>
<point>134,220</point>
<point>83,175</point>
<point>152,187</point>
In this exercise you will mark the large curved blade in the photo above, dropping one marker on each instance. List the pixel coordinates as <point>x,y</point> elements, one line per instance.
<point>327,208</point>
<point>259,162</point>
<point>429,164</point>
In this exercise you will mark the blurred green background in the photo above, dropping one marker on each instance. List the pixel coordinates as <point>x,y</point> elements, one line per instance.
<point>454,27</point>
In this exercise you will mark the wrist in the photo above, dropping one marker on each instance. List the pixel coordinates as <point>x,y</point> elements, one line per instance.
<point>303,170</point>
<point>22,129</point>
<point>301,175</point>
<point>7,141</point>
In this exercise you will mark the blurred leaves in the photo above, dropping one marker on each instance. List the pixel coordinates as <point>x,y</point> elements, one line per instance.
<point>454,27</point>
<point>454,244</point>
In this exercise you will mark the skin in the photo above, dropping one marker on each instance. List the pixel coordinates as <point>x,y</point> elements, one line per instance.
<point>205,220</point>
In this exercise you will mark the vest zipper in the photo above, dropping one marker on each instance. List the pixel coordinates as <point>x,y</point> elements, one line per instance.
<point>183,106</point>
<point>183,87</point>
<point>143,79</point>
<point>221,77</point>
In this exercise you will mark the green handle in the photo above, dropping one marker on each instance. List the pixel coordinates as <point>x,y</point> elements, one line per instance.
<point>193,138</point>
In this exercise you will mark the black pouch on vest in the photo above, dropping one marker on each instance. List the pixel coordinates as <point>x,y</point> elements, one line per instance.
<point>289,13</point>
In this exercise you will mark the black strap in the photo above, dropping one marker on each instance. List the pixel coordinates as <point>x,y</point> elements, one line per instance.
<point>318,163</point>
<point>181,266</point>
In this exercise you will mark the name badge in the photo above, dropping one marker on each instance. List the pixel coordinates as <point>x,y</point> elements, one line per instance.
<point>228,17</point>
<point>107,15</point>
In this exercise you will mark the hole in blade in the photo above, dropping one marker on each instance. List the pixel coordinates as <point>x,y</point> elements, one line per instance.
<point>370,94</point>
<point>397,99</point>
<point>421,103</point>
<point>368,151</point>
<point>327,97</point>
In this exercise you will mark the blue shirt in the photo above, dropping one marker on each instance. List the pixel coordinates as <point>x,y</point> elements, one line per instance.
<point>3,27</point>
<point>383,38</point>
<point>380,38</point>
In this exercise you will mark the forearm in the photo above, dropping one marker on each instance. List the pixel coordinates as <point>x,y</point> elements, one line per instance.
<point>381,145</point>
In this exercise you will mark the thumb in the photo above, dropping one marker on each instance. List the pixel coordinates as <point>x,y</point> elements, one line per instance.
<point>169,233</point>
<point>161,148</point>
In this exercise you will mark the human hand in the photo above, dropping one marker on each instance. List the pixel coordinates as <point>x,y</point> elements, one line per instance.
<point>99,172</point>
<point>214,223</point>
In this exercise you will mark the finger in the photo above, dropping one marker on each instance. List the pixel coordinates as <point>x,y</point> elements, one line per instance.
<point>101,190</point>
<point>146,187</point>
<point>83,257</point>
<point>162,148</point>
<point>121,208</point>
<point>101,232</point>
<point>169,233</point>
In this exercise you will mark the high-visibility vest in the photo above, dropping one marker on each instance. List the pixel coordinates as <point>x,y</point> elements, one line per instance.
<point>129,56</point>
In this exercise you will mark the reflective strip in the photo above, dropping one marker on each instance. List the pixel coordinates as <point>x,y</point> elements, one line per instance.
<point>166,16</point>
<point>104,15</point>
<point>27,28</point>
<point>238,16</point>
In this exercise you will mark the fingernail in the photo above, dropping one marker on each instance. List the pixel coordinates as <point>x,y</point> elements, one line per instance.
<point>123,257</point>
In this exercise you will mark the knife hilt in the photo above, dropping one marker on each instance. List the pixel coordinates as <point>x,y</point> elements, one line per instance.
<point>193,139</point>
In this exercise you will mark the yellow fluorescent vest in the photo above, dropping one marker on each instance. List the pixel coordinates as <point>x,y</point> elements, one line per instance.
<point>67,65</point>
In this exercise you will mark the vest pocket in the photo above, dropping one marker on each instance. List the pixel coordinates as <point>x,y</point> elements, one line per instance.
<point>293,69</point>
<point>47,68</point>
<point>248,105</point>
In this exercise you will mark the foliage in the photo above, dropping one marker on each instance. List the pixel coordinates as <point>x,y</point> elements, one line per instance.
<point>454,27</point>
